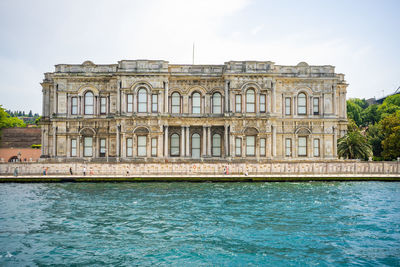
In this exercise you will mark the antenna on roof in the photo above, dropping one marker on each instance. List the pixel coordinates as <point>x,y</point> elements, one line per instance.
<point>193,55</point>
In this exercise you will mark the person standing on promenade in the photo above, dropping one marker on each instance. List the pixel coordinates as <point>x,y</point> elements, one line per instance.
<point>84,171</point>
<point>16,171</point>
<point>70,170</point>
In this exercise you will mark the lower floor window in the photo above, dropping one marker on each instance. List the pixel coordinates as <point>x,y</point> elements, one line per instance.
<point>250,145</point>
<point>216,145</point>
<point>195,145</point>
<point>262,147</point>
<point>142,143</point>
<point>154,147</point>
<point>302,146</point>
<point>316,147</point>
<point>129,147</point>
<point>288,147</point>
<point>88,147</point>
<point>175,145</point>
<point>73,147</point>
<point>238,147</point>
<point>102,147</point>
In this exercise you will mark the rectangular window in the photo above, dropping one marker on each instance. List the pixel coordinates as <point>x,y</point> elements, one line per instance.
<point>288,147</point>
<point>129,147</point>
<point>238,103</point>
<point>262,147</point>
<point>154,147</point>
<point>316,105</point>
<point>250,145</point>
<point>262,103</point>
<point>302,146</point>
<point>102,147</point>
<point>154,103</point>
<point>73,147</point>
<point>74,105</point>
<point>129,103</point>
<point>87,147</point>
<point>316,147</point>
<point>103,105</point>
<point>238,147</point>
<point>288,106</point>
<point>142,143</point>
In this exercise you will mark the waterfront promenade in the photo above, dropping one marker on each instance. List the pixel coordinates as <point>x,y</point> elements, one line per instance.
<point>201,172</point>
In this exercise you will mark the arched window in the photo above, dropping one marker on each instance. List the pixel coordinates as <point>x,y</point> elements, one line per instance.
<point>142,100</point>
<point>195,145</point>
<point>216,103</point>
<point>196,106</point>
<point>301,104</point>
<point>216,145</point>
<point>176,103</point>
<point>250,100</point>
<point>175,145</point>
<point>89,103</point>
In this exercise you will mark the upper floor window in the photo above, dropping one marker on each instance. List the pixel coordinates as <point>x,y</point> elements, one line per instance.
<point>87,147</point>
<point>129,103</point>
<point>302,104</point>
<point>316,105</point>
<point>154,103</point>
<point>196,106</point>
<point>262,102</point>
<point>103,105</point>
<point>89,103</point>
<point>142,100</point>
<point>288,106</point>
<point>174,145</point>
<point>216,103</point>
<point>74,105</point>
<point>176,102</point>
<point>250,100</point>
<point>129,147</point>
<point>102,147</point>
<point>216,145</point>
<point>238,103</point>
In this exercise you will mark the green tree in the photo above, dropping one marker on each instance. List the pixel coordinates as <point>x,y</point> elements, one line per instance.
<point>375,138</point>
<point>354,110</point>
<point>370,115</point>
<point>391,131</point>
<point>6,121</point>
<point>354,146</point>
<point>390,105</point>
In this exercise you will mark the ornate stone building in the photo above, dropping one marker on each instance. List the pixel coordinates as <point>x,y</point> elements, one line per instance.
<point>153,111</point>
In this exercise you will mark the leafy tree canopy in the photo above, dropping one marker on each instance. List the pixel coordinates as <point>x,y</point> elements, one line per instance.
<point>6,121</point>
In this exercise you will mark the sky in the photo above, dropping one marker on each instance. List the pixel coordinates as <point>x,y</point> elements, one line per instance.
<point>361,38</point>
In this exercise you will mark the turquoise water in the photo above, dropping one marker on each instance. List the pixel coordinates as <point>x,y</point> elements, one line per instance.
<point>186,224</point>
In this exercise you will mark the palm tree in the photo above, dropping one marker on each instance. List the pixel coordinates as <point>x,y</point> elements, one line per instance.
<point>354,146</point>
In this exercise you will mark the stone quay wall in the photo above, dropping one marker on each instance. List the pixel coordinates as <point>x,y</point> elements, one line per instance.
<point>158,169</point>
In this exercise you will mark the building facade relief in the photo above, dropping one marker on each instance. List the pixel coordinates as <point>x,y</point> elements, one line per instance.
<point>152,111</point>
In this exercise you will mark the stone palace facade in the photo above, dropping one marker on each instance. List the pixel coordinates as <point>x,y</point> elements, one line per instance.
<point>153,111</point>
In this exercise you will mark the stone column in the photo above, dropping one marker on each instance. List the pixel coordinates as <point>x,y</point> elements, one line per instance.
<point>43,104</point>
<point>166,97</point>
<point>232,145</point>
<point>334,149</point>
<point>42,137</point>
<point>118,142</point>
<point>204,150</point>
<point>123,147</point>
<point>119,99</point>
<point>78,147</point>
<point>182,152</point>
<point>97,152</point>
<point>273,99</point>
<point>209,141</point>
<point>226,146</point>
<point>55,99</point>
<point>54,142</point>
<point>273,140</point>
<point>166,141</point>
<point>226,97</point>
<point>268,102</point>
<point>334,100</point>
<point>187,141</point>
<point>292,106</point>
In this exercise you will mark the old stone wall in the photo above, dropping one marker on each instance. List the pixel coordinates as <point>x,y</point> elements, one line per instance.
<point>295,168</point>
